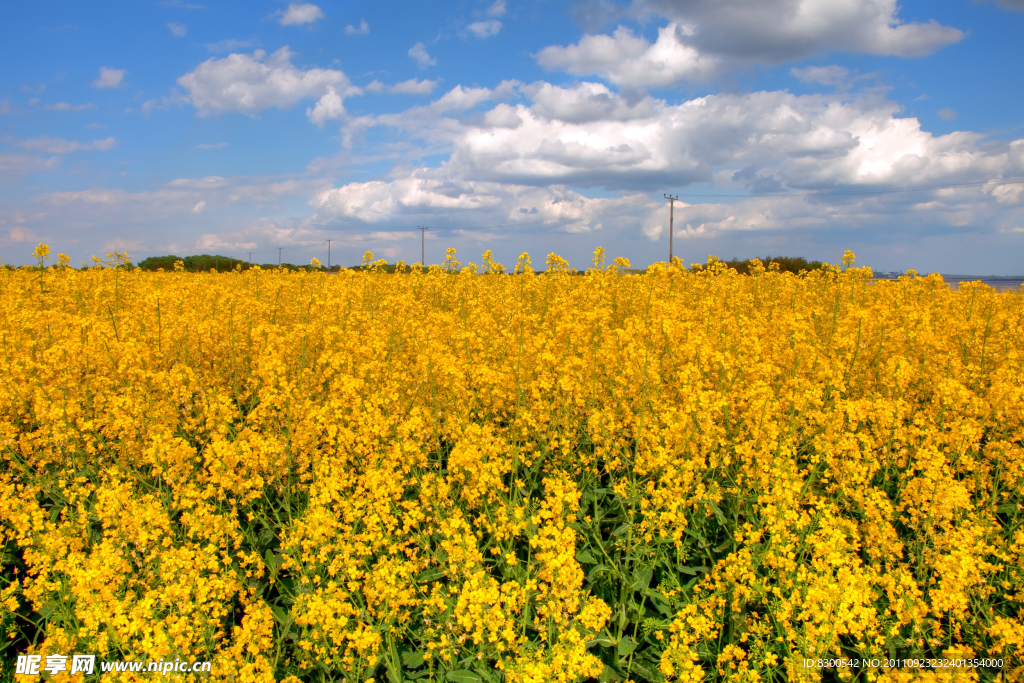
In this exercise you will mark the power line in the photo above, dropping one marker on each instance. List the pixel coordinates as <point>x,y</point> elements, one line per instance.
<point>840,193</point>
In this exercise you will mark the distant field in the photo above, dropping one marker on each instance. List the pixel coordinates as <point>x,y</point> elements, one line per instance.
<point>669,476</point>
<point>1001,284</point>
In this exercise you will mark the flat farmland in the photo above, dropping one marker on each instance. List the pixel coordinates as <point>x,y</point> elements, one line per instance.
<point>470,475</point>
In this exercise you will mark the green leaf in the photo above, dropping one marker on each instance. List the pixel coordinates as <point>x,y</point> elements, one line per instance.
<point>597,571</point>
<point>47,610</point>
<point>651,673</point>
<point>692,571</point>
<point>585,557</point>
<point>488,675</point>
<point>641,580</point>
<point>271,561</point>
<point>623,528</point>
<point>718,512</point>
<point>462,676</point>
<point>660,603</point>
<point>281,615</point>
<point>603,641</point>
<point>626,646</point>
<point>609,675</point>
<point>412,660</point>
<point>429,575</point>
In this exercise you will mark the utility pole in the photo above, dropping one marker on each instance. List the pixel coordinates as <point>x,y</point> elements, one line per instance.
<point>423,237</point>
<point>671,210</point>
<point>328,253</point>
<point>250,258</point>
<point>279,256</point>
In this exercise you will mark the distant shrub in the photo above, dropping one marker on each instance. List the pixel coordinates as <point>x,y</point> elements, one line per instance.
<point>203,262</point>
<point>787,264</point>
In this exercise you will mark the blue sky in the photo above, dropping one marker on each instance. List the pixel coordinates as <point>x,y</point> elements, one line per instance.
<point>795,127</point>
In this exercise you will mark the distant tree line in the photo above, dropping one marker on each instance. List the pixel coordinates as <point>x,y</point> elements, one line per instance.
<point>787,264</point>
<point>206,262</point>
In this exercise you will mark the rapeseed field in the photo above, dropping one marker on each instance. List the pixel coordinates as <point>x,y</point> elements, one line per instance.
<point>470,475</point>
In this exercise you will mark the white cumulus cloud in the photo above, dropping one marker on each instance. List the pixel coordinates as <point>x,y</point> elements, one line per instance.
<point>468,204</point>
<point>362,29</point>
<point>110,78</point>
<point>414,87</point>
<point>790,162</point>
<point>586,102</point>
<point>708,37</point>
<point>252,83</point>
<point>484,29</point>
<point>419,53</point>
<point>627,59</point>
<point>300,13</point>
<point>178,30</point>
<point>497,9</point>
<point>329,106</point>
<point>771,140</point>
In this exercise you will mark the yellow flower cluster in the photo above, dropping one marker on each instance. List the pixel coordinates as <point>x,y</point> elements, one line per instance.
<point>470,474</point>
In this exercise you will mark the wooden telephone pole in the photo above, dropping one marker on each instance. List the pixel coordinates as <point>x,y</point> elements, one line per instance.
<point>423,238</point>
<point>671,211</point>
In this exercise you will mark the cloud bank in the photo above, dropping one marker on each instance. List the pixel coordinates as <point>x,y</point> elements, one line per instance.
<point>789,162</point>
<point>300,13</point>
<point>251,83</point>
<point>705,38</point>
